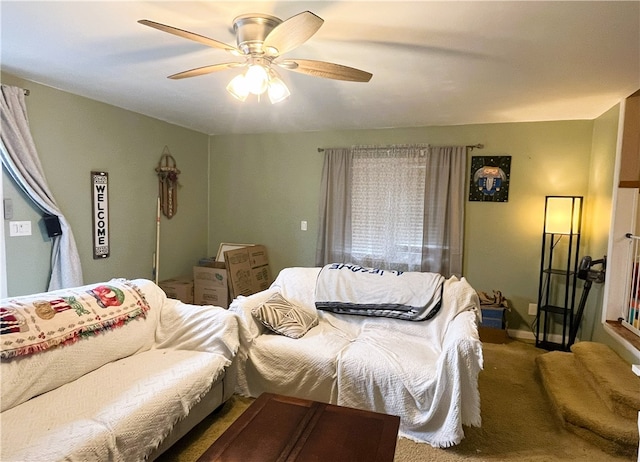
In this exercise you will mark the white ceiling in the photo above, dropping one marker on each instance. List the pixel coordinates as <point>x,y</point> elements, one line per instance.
<point>433,63</point>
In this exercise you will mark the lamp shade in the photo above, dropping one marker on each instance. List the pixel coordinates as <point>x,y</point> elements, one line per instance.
<point>563,214</point>
<point>238,87</point>
<point>257,79</point>
<point>278,91</point>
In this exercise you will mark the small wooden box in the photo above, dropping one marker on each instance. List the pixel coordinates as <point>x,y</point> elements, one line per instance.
<point>492,335</point>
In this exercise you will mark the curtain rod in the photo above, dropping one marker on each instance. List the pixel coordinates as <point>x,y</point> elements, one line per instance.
<point>26,92</point>
<point>475,146</point>
<point>468,146</point>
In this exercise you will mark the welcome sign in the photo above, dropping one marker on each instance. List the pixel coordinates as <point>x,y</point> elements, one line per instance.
<point>100,191</point>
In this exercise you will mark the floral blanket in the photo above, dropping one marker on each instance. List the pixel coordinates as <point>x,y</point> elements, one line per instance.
<point>35,323</point>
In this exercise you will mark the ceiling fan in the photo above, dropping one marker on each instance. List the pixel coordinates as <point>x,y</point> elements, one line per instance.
<point>262,40</point>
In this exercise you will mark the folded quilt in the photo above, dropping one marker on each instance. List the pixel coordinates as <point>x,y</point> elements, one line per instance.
<point>31,324</point>
<point>352,289</point>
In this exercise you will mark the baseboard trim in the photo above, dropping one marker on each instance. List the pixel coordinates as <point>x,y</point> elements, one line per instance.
<point>521,334</point>
<point>530,336</point>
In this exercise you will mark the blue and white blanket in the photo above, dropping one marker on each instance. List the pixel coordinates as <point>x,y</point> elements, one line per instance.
<point>353,289</point>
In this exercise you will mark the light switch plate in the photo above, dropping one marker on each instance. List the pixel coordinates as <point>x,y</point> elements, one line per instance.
<point>19,228</point>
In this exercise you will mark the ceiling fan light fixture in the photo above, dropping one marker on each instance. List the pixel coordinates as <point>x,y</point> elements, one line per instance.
<point>238,87</point>
<point>278,91</point>
<point>261,40</point>
<point>271,51</point>
<point>257,79</point>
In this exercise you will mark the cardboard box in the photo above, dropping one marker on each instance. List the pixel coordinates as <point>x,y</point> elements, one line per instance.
<point>493,328</point>
<point>224,246</point>
<point>211,296</point>
<point>248,270</point>
<point>210,284</point>
<point>179,288</point>
<point>492,335</point>
<point>208,261</point>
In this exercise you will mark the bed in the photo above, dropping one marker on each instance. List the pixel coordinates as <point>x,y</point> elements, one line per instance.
<point>424,371</point>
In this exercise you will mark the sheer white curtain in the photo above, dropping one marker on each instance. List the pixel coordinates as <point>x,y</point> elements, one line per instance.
<point>398,207</point>
<point>387,206</point>
<point>20,158</point>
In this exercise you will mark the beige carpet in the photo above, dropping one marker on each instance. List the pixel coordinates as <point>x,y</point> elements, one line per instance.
<point>518,423</point>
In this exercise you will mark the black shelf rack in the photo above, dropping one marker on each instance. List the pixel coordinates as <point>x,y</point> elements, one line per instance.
<point>558,271</point>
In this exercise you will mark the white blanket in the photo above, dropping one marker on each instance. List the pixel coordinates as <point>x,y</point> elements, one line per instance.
<point>428,377</point>
<point>139,397</point>
<point>424,372</point>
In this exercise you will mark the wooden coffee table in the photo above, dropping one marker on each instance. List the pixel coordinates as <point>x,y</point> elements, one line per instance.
<point>281,428</point>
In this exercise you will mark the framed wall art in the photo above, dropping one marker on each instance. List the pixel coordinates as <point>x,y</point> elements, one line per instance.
<point>489,178</point>
<point>100,201</point>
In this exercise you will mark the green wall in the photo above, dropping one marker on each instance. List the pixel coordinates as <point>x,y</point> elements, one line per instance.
<point>75,135</point>
<point>600,198</point>
<point>262,186</point>
<point>258,188</point>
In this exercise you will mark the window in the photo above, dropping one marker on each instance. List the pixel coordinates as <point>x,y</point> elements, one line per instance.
<point>396,207</point>
<point>387,209</point>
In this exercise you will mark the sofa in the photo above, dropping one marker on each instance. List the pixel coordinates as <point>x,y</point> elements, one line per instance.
<point>367,345</point>
<point>111,371</point>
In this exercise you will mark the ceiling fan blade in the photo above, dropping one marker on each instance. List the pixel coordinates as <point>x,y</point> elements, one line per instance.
<point>325,70</point>
<point>292,33</point>
<point>191,36</point>
<point>204,70</point>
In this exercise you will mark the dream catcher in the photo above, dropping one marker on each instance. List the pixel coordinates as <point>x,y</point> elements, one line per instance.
<point>168,183</point>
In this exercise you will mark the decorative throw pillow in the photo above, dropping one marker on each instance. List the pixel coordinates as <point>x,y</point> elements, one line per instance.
<point>283,317</point>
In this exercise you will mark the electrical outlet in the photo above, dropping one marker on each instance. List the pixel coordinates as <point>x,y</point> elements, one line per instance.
<point>303,226</point>
<point>533,309</point>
